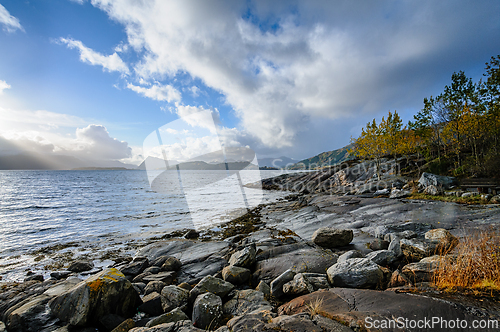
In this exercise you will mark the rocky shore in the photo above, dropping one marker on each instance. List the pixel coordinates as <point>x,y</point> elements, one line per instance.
<point>312,262</point>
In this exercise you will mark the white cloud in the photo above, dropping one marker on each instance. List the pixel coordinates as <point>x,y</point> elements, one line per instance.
<point>3,86</point>
<point>281,69</point>
<point>9,22</point>
<point>157,92</point>
<point>110,63</point>
<point>199,117</point>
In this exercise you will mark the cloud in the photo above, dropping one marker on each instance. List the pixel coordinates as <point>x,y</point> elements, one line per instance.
<point>9,22</point>
<point>110,63</point>
<point>157,92</point>
<point>94,142</point>
<point>282,65</point>
<point>3,86</point>
<point>199,117</point>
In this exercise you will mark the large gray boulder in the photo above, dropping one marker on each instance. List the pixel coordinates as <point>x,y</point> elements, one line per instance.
<point>382,257</point>
<point>328,237</point>
<point>439,181</point>
<point>246,301</point>
<point>444,239</point>
<point>355,273</point>
<point>108,292</point>
<point>29,317</point>
<point>207,311</point>
<point>173,297</point>
<point>422,271</point>
<point>244,258</point>
<point>212,285</point>
<point>416,249</point>
<point>235,274</point>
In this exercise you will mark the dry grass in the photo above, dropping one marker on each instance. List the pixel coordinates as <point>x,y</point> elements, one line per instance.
<point>474,267</point>
<point>473,200</point>
<point>315,306</point>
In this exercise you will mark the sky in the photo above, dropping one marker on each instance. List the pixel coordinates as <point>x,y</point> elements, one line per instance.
<point>95,78</point>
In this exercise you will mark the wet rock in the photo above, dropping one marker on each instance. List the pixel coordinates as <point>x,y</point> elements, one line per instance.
<point>134,268</point>
<point>175,315</point>
<point>173,297</point>
<point>382,257</point>
<point>246,301</point>
<point>298,286</point>
<point>244,258</point>
<point>251,322</point>
<point>317,280</point>
<point>236,275</point>
<point>264,288</point>
<point>60,274</point>
<point>213,285</point>
<point>191,234</point>
<point>81,266</point>
<point>379,244</point>
<point>438,181</point>
<point>166,277</point>
<point>207,311</point>
<point>277,284</point>
<point>328,237</point>
<point>171,264</point>
<point>152,304</point>
<point>350,254</point>
<point>445,240</point>
<point>416,249</point>
<point>298,257</point>
<point>108,292</point>
<point>422,271</point>
<point>355,273</point>
<point>30,316</point>
<point>34,277</point>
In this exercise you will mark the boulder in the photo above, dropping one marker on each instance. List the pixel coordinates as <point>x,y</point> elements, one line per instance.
<point>213,285</point>
<point>244,258</point>
<point>108,292</point>
<point>191,234</point>
<point>422,271</point>
<point>277,284</point>
<point>298,257</point>
<point>152,304</point>
<point>207,311</point>
<point>445,240</point>
<point>81,266</point>
<point>395,247</point>
<point>432,190</point>
<point>134,268</point>
<point>236,275</point>
<point>174,297</point>
<point>171,264</point>
<point>355,273</point>
<point>428,179</point>
<point>398,279</point>
<point>154,286</point>
<point>399,193</point>
<point>246,301</point>
<point>382,257</point>
<point>416,249</point>
<point>152,270</point>
<point>379,244</point>
<point>172,316</point>
<point>30,316</point>
<point>328,237</point>
<point>300,285</point>
<point>264,288</point>
<point>350,254</point>
<point>60,274</point>
<point>317,280</point>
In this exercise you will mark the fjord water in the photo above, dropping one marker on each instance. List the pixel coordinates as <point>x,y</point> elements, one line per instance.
<point>102,208</point>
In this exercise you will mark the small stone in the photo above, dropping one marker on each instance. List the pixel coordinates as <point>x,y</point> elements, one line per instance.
<point>328,237</point>
<point>175,315</point>
<point>135,267</point>
<point>432,190</point>
<point>185,286</point>
<point>382,257</point>
<point>154,286</point>
<point>244,258</point>
<point>379,244</point>
<point>298,286</point>
<point>191,234</point>
<point>152,270</point>
<point>166,277</point>
<point>207,311</point>
<point>34,277</point>
<point>213,285</point>
<point>81,266</point>
<point>264,288</point>
<point>235,274</point>
<point>173,297</point>
<point>446,240</point>
<point>277,284</point>
<point>350,254</point>
<point>395,247</point>
<point>60,274</point>
<point>398,279</point>
<point>152,304</point>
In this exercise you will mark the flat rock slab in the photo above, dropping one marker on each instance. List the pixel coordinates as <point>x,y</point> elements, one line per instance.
<point>298,257</point>
<point>359,308</point>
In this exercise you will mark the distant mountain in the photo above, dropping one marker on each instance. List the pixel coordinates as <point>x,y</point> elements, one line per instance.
<point>280,162</point>
<point>37,161</point>
<point>324,159</point>
<point>154,163</point>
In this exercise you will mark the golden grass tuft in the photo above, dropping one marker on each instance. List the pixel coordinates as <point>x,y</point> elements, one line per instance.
<point>315,306</point>
<point>474,266</point>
